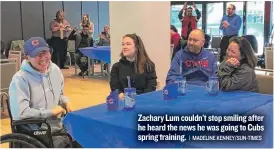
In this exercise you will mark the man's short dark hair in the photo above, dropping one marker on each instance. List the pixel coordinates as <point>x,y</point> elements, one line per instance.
<point>189,8</point>
<point>233,6</point>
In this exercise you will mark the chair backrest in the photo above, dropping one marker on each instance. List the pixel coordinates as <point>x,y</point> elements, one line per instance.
<point>8,69</point>
<point>171,50</point>
<point>16,55</point>
<point>268,58</point>
<point>265,84</point>
<point>253,41</point>
<point>71,46</point>
<point>17,45</point>
<point>216,41</point>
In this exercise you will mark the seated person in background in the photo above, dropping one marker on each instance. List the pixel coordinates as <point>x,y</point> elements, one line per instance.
<point>86,21</point>
<point>82,39</point>
<point>175,39</point>
<point>104,40</point>
<point>104,37</point>
<point>36,91</point>
<point>236,72</point>
<point>3,50</point>
<point>136,64</point>
<point>198,64</point>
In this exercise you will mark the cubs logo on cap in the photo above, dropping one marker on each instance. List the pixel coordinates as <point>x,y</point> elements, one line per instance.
<point>35,42</point>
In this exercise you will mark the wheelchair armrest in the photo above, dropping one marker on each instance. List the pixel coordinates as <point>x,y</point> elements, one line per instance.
<point>28,121</point>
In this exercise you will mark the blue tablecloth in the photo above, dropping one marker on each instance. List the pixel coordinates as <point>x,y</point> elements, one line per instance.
<point>100,53</point>
<point>96,127</point>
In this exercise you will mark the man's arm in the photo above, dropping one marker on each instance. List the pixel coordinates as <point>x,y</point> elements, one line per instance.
<point>53,27</point>
<point>72,35</point>
<point>20,101</point>
<point>180,15</point>
<point>174,70</point>
<point>198,14</point>
<point>63,99</point>
<point>237,25</point>
<point>67,26</point>
<point>221,24</point>
<point>182,12</point>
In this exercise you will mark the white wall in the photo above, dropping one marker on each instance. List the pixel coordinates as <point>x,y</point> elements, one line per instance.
<point>149,20</point>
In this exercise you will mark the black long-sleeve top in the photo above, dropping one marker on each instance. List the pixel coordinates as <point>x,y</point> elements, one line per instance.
<point>144,82</point>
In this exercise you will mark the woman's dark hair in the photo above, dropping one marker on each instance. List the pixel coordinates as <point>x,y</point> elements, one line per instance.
<point>247,52</point>
<point>172,27</point>
<point>142,59</point>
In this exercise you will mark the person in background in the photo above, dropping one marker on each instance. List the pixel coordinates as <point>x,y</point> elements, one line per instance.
<point>175,39</point>
<point>36,91</point>
<point>59,28</point>
<point>136,64</point>
<point>104,37</point>
<point>82,39</point>
<point>86,21</point>
<point>189,22</point>
<point>198,64</point>
<point>104,40</point>
<point>230,25</point>
<point>3,50</point>
<point>237,71</point>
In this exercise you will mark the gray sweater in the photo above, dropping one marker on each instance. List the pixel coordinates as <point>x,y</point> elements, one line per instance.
<point>33,95</point>
<point>241,78</point>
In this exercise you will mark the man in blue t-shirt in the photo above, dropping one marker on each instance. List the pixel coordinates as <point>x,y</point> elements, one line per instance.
<point>230,25</point>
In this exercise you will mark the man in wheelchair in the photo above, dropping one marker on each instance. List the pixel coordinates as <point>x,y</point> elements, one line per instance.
<point>37,101</point>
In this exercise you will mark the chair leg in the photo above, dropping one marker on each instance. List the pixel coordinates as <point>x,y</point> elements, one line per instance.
<point>75,67</point>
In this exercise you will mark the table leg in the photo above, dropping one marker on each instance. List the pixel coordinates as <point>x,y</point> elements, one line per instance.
<point>102,68</point>
<point>89,74</point>
<point>92,67</point>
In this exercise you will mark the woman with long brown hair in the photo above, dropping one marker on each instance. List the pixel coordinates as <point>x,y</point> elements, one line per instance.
<point>86,21</point>
<point>136,64</point>
<point>237,71</point>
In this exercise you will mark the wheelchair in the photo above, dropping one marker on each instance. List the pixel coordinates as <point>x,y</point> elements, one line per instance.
<point>40,138</point>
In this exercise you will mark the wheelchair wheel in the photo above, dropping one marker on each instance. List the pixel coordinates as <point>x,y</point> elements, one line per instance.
<point>18,140</point>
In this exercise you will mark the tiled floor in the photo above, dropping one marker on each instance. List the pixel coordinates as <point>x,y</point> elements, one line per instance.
<point>82,92</point>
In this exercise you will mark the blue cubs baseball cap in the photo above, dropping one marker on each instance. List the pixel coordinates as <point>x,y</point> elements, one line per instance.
<point>35,45</point>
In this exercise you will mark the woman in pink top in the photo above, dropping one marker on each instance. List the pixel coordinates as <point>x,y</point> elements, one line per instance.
<point>175,39</point>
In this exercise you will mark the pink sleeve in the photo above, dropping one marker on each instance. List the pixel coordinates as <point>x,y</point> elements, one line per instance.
<point>52,25</point>
<point>67,23</point>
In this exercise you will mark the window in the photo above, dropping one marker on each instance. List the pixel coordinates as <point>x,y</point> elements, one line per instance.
<point>239,11</point>
<point>255,22</point>
<point>175,9</point>
<point>214,16</point>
